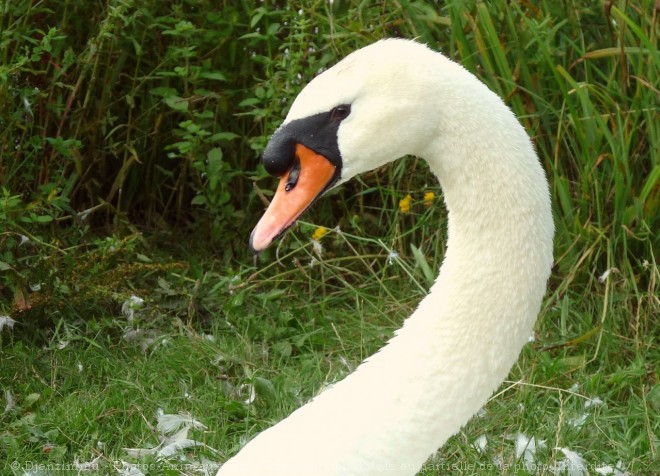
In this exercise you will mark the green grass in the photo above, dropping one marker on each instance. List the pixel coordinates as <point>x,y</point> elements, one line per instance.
<point>132,173</point>
<point>299,328</point>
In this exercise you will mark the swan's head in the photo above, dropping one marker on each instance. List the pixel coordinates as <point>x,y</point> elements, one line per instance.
<point>371,108</point>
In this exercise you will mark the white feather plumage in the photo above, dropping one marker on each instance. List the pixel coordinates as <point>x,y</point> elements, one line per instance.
<point>402,403</point>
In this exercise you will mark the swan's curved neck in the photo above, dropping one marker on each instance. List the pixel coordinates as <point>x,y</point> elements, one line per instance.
<point>461,342</point>
<point>402,403</point>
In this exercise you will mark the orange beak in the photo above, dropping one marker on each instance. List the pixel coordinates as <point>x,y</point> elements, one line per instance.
<point>296,191</point>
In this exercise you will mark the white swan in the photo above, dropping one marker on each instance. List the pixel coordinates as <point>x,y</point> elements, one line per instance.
<point>392,98</point>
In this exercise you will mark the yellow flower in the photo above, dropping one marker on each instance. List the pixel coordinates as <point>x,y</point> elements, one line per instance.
<point>428,198</point>
<point>319,233</point>
<point>404,204</point>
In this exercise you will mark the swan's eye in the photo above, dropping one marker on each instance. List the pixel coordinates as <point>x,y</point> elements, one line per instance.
<point>341,112</point>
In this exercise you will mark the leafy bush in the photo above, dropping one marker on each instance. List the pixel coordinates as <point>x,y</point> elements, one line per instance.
<point>153,114</point>
<point>129,141</point>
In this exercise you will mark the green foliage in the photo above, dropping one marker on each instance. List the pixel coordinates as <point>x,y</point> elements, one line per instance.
<point>155,114</point>
<point>124,115</point>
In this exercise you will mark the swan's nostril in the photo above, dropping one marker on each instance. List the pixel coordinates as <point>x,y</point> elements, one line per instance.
<point>293,175</point>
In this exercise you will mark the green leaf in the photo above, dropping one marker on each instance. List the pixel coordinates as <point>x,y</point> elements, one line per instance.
<point>214,157</point>
<point>31,399</point>
<point>256,18</point>
<point>423,264</point>
<point>164,92</point>
<point>180,28</point>
<point>143,258</point>
<point>265,389</point>
<point>214,167</point>
<point>283,348</point>
<point>198,200</point>
<point>177,103</point>
<point>215,75</point>
<point>273,29</point>
<point>248,102</point>
<point>222,136</point>
<point>247,36</point>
